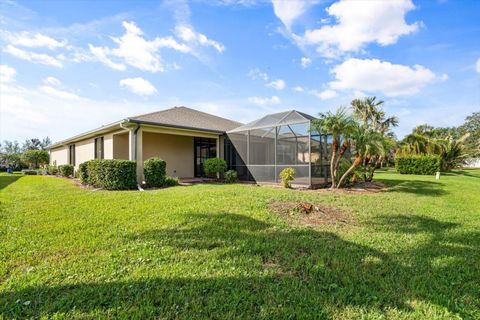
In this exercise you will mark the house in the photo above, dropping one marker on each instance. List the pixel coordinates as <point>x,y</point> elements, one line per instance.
<point>185,138</point>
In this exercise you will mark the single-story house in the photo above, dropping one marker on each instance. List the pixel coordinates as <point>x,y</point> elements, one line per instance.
<point>185,138</point>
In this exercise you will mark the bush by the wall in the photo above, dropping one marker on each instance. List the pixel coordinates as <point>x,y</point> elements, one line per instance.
<point>170,182</point>
<point>231,176</point>
<point>214,166</point>
<point>52,170</point>
<point>83,172</point>
<point>426,164</point>
<point>155,171</point>
<point>65,170</point>
<point>287,175</point>
<point>109,174</point>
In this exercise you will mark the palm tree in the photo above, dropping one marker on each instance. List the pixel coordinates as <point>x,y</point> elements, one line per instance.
<point>366,142</point>
<point>339,125</point>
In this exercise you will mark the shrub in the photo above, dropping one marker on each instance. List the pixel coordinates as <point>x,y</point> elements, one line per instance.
<point>231,176</point>
<point>29,172</point>
<point>52,170</point>
<point>65,170</point>
<point>110,174</point>
<point>427,164</point>
<point>83,172</point>
<point>170,182</point>
<point>214,166</point>
<point>287,175</point>
<point>154,170</point>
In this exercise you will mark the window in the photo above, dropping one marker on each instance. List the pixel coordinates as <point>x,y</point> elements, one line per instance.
<point>99,148</point>
<point>71,154</point>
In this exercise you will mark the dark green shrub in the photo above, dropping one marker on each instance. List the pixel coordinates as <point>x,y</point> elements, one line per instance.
<point>111,174</point>
<point>154,170</point>
<point>29,172</point>
<point>287,175</point>
<point>65,170</point>
<point>52,170</point>
<point>83,172</point>
<point>214,166</point>
<point>231,176</point>
<point>427,164</point>
<point>170,182</point>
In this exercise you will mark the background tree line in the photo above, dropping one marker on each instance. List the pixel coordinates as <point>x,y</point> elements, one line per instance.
<point>31,153</point>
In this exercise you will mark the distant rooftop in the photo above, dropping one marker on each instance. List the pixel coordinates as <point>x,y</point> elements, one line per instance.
<point>184,117</point>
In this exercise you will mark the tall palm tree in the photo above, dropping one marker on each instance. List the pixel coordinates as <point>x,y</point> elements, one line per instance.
<point>339,124</point>
<point>366,142</point>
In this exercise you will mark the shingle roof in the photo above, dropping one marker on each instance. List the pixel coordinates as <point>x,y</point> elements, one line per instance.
<point>184,117</point>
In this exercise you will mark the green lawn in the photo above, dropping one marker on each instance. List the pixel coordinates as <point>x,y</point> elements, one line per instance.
<point>214,251</point>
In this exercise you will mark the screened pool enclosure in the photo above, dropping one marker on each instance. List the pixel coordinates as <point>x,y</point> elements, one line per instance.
<point>261,149</point>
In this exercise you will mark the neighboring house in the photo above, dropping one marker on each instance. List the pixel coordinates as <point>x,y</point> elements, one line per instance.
<point>185,138</point>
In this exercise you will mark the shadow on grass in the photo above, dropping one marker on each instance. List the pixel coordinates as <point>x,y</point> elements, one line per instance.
<point>8,179</point>
<point>279,274</point>
<point>463,173</point>
<point>424,188</point>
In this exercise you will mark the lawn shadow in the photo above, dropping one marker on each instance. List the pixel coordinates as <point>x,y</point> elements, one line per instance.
<point>424,188</point>
<point>6,180</point>
<point>462,173</point>
<point>282,273</point>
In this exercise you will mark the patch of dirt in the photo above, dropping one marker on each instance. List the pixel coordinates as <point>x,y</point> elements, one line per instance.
<point>306,213</point>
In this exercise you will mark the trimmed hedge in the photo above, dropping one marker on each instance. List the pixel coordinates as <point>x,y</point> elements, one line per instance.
<point>231,176</point>
<point>427,164</point>
<point>52,170</point>
<point>109,174</point>
<point>155,172</point>
<point>29,172</point>
<point>65,170</point>
<point>214,166</point>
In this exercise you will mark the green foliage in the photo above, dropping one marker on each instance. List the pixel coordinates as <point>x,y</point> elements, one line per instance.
<point>66,170</point>
<point>30,172</point>
<point>52,170</point>
<point>287,175</point>
<point>231,176</point>
<point>170,182</point>
<point>214,166</point>
<point>83,172</point>
<point>154,170</point>
<point>427,164</point>
<point>35,158</point>
<point>110,174</point>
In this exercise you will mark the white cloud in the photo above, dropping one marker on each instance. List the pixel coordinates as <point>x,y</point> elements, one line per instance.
<point>26,39</point>
<point>264,101</point>
<point>138,86</point>
<point>478,65</point>
<point>255,74</point>
<point>373,75</point>
<point>276,84</point>
<point>52,81</point>
<point>57,93</point>
<point>189,35</point>
<point>100,54</point>
<point>298,89</point>
<point>33,56</point>
<point>305,62</point>
<point>325,94</point>
<point>357,24</point>
<point>7,73</point>
<point>288,10</point>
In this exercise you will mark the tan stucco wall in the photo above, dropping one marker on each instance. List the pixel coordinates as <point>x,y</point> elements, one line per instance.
<point>120,146</point>
<point>176,150</point>
<point>84,151</point>
<point>59,156</point>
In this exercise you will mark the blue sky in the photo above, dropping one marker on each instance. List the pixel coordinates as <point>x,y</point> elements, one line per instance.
<point>71,66</point>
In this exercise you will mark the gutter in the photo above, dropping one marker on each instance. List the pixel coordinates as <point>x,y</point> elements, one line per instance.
<point>173,126</point>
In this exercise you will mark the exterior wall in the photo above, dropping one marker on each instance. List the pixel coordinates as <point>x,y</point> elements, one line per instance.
<point>84,151</point>
<point>176,150</point>
<point>107,146</point>
<point>120,146</point>
<point>59,156</point>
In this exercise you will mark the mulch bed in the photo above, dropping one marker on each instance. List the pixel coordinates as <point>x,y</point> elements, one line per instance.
<point>306,213</point>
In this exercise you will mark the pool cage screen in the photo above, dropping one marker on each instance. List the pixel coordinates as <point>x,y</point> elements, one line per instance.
<point>260,150</point>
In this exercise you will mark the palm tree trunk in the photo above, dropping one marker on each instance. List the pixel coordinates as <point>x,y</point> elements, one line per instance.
<point>344,148</point>
<point>332,161</point>
<point>356,163</point>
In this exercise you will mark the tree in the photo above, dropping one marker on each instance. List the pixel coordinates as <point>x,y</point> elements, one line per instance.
<point>36,144</point>
<point>35,158</point>
<point>472,126</point>
<point>339,125</point>
<point>366,142</point>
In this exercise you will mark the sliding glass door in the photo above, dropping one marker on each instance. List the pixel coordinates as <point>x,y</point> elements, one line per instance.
<point>204,148</point>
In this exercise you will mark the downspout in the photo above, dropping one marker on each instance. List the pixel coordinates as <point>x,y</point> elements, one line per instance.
<point>135,142</point>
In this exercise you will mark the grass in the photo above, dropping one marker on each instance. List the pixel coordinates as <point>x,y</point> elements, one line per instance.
<point>214,251</point>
